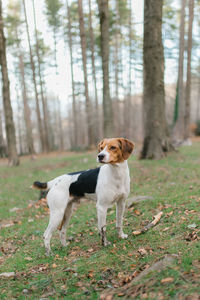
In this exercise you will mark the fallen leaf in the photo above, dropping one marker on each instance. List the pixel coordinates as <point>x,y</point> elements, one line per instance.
<point>192,226</point>
<point>167,280</point>
<point>142,251</point>
<point>137,232</point>
<point>28,258</point>
<point>7,274</point>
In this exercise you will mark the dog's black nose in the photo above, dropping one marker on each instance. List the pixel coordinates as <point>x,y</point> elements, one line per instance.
<point>101,157</point>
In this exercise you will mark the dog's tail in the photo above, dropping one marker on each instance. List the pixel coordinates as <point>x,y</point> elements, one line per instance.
<point>46,186</point>
<point>40,185</point>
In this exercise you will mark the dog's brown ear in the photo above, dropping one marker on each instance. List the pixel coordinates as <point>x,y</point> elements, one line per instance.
<point>100,144</point>
<point>127,147</point>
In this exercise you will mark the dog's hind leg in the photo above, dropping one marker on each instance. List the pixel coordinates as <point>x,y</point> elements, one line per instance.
<point>54,222</point>
<point>65,222</point>
<point>57,199</point>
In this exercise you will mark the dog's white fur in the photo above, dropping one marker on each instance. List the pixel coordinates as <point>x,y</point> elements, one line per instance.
<point>113,186</point>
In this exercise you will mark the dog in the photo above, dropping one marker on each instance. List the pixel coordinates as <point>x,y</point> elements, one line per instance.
<point>107,184</point>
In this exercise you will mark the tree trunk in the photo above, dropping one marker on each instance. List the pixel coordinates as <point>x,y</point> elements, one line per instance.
<point>107,105</point>
<point>127,103</point>
<point>74,108</point>
<point>10,129</point>
<point>178,129</point>
<point>2,142</point>
<point>27,115</point>
<point>188,81</point>
<point>84,60</point>
<point>156,140</point>
<point>40,128</point>
<point>19,120</point>
<point>46,139</point>
<point>96,118</point>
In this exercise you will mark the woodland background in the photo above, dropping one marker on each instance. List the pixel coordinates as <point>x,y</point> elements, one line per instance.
<point>114,74</point>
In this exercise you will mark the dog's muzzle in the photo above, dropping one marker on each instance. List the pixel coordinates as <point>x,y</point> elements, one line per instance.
<point>101,157</point>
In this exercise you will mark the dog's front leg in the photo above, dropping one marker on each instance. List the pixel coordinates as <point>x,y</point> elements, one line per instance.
<point>120,208</point>
<point>101,215</point>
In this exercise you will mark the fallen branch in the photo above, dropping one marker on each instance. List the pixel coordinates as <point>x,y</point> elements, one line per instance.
<point>128,288</point>
<point>151,224</point>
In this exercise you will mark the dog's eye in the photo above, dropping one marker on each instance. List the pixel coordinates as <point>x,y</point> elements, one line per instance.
<point>112,148</point>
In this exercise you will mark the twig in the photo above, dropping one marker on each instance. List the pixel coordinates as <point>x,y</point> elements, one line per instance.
<point>151,224</point>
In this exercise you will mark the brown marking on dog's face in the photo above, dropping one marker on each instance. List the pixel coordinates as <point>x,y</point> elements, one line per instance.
<point>119,149</point>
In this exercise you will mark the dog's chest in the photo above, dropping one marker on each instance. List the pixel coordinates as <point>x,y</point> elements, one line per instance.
<point>113,184</point>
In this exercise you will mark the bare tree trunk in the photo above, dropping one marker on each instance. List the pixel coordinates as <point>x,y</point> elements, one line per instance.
<point>59,119</point>
<point>178,129</point>
<point>40,128</point>
<point>46,139</point>
<point>74,108</point>
<point>107,105</point>
<point>19,127</point>
<point>2,142</point>
<point>10,128</point>
<point>127,104</point>
<point>27,115</point>
<point>156,140</point>
<point>84,60</point>
<point>188,81</point>
<point>96,119</point>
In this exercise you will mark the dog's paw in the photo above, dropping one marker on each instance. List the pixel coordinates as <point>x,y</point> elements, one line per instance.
<point>106,243</point>
<point>123,236</point>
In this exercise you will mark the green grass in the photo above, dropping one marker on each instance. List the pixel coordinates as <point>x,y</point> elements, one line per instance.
<point>85,269</point>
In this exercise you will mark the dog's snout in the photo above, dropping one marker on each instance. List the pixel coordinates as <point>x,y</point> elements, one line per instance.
<point>101,156</point>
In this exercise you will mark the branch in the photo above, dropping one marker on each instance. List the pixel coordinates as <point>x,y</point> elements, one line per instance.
<point>151,224</point>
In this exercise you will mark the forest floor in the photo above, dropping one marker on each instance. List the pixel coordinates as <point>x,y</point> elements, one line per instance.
<point>85,270</point>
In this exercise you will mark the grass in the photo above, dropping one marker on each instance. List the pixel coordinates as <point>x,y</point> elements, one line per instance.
<point>85,269</point>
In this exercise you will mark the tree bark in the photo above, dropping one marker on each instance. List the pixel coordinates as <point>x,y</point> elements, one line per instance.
<point>10,128</point>
<point>2,142</point>
<point>27,115</point>
<point>84,60</point>
<point>74,108</point>
<point>104,39</point>
<point>40,128</point>
<point>188,81</point>
<point>45,113</point>
<point>96,118</point>
<point>156,140</point>
<point>127,104</point>
<point>178,129</point>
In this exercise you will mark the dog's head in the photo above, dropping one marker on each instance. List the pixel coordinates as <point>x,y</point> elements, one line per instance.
<point>114,150</point>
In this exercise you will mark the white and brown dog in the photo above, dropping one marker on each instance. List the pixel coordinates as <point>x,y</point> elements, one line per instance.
<point>108,184</point>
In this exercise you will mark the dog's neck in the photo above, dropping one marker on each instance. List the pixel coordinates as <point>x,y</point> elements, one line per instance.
<point>118,169</point>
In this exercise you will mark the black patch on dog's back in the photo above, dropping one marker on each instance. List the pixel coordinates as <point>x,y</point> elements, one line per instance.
<point>85,184</point>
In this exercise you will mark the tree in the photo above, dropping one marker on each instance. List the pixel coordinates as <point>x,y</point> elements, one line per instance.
<point>40,127</point>
<point>104,40</point>
<point>178,129</point>
<point>188,81</point>
<point>13,28</point>
<point>2,142</point>
<point>92,47</point>
<point>54,19</point>
<point>84,60</point>
<point>10,128</point>
<point>45,112</point>
<point>156,139</point>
